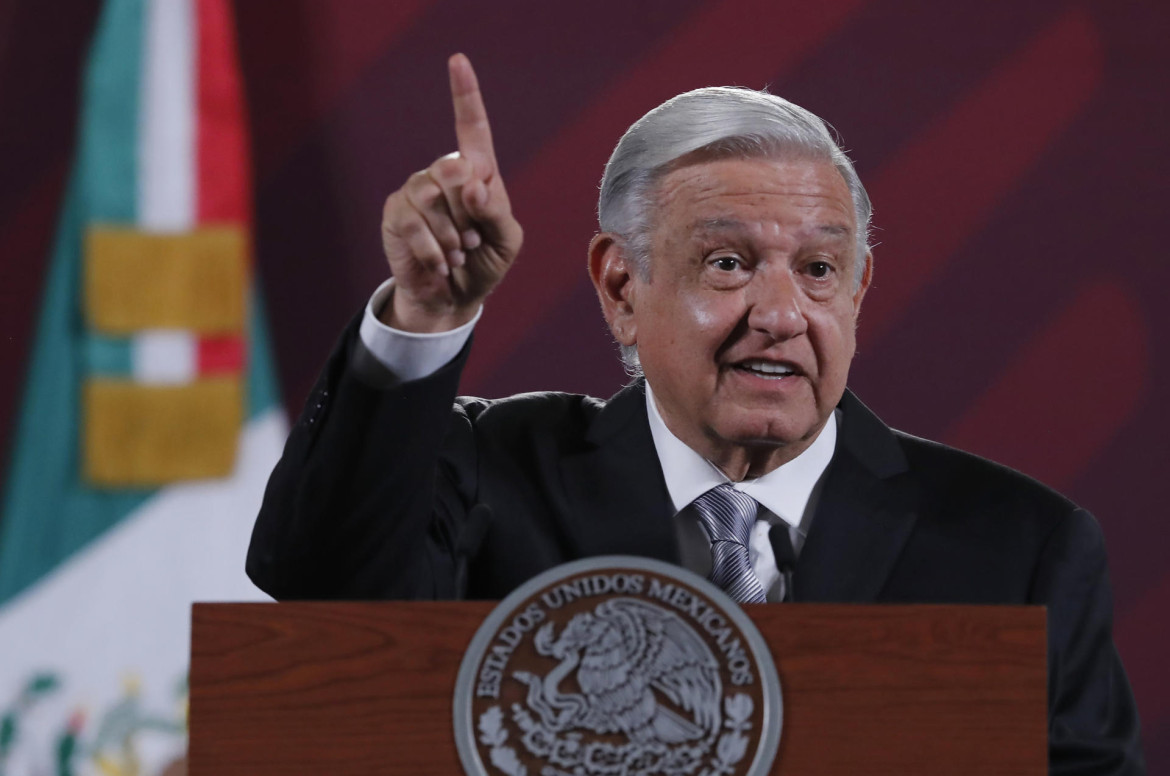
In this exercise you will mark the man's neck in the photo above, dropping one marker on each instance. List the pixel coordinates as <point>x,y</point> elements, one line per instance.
<point>738,462</point>
<point>784,490</point>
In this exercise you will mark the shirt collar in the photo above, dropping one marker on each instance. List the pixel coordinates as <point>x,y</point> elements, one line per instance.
<point>784,491</point>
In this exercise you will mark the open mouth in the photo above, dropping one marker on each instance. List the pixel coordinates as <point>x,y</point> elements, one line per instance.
<point>769,370</point>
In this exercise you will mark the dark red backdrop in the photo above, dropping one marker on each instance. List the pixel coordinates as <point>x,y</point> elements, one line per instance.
<point>1015,153</point>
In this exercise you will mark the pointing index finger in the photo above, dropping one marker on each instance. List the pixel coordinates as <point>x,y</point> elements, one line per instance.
<point>472,130</point>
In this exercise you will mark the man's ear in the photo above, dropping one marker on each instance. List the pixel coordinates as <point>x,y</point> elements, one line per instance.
<point>863,286</point>
<point>613,279</point>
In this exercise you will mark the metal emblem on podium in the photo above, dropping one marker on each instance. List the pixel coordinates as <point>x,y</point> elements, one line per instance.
<point>616,666</point>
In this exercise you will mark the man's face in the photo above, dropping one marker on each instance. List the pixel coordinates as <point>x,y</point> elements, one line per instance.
<point>745,326</point>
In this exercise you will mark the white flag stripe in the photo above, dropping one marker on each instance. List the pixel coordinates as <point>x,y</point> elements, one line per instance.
<point>121,607</point>
<point>166,142</point>
<point>165,357</point>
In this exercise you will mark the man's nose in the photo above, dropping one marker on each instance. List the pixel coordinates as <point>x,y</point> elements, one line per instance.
<point>776,306</point>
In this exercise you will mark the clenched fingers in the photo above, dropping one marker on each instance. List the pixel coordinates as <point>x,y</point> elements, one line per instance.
<point>409,239</point>
<point>453,173</point>
<point>426,197</point>
<point>429,216</point>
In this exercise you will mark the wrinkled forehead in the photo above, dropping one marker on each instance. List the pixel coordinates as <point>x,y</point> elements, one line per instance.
<point>713,193</point>
<point>753,154</point>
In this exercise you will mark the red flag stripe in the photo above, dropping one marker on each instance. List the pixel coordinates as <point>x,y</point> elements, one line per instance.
<point>561,181</point>
<point>223,179</point>
<point>220,355</point>
<point>943,187</point>
<point>1087,371</point>
<point>223,174</point>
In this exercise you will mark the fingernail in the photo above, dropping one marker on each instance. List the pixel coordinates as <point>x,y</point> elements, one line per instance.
<point>456,258</point>
<point>471,239</point>
<point>444,270</point>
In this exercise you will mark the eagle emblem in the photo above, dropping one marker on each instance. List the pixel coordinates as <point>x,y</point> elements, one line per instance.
<point>617,666</point>
<point>641,670</point>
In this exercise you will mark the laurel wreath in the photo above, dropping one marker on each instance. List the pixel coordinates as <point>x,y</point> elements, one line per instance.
<point>492,734</point>
<point>569,752</point>
<point>732,745</point>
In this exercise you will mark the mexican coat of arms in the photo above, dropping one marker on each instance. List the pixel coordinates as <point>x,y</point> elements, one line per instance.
<point>613,667</point>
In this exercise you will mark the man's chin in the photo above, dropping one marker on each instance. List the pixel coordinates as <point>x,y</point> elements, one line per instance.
<point>769,432</point>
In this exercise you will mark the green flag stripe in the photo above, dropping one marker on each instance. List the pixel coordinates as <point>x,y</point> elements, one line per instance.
<point>48,514</point>
<point>109,120</point>
<point>262,391</point>
<point>107,356</point>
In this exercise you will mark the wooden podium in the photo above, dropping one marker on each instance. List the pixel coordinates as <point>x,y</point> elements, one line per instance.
<point>366,688</point>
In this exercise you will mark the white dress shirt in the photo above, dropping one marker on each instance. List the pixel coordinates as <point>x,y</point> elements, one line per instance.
<point>787,494</point>
<point>409,355</point>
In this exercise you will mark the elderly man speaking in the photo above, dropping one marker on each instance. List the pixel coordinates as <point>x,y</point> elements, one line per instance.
<point>731,267</point>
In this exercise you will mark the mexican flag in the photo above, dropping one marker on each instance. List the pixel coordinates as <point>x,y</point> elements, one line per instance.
<point>150,418</point>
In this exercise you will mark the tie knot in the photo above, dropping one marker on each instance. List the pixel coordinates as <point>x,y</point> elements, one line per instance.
<point>726,514</point>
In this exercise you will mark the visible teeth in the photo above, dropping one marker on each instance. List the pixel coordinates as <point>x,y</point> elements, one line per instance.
<point>768,367</point>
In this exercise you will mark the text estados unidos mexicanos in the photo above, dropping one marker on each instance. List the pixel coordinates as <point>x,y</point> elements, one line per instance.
<point>491,671</point>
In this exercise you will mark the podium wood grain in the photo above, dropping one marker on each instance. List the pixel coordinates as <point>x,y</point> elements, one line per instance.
<point>366,688</point>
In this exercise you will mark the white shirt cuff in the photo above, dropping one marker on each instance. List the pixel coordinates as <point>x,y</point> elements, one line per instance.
<point>409,355</point>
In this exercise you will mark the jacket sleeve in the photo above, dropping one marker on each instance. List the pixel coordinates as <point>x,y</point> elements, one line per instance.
<point>370,495</point>
<point>1093,721</point>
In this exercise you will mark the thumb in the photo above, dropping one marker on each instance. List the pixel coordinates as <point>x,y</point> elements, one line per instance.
<point>476,199</point>
<point>491,212</point>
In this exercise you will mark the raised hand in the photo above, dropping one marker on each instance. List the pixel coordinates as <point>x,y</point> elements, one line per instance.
<point>448,233</point>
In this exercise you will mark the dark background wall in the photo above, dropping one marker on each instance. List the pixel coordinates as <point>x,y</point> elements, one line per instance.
<point>1015,152</point>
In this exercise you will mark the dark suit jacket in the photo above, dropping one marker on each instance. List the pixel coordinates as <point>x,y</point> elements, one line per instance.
<point>389,493</point>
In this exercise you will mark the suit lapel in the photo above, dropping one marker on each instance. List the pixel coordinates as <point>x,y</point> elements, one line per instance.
<point>867,508</point>
<point>615,485</point>
<point>866,513</point>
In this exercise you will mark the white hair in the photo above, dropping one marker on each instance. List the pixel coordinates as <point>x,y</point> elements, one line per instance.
<point>717,122</point>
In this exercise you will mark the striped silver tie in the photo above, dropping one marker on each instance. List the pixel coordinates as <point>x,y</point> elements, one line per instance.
<point>728,516</point>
